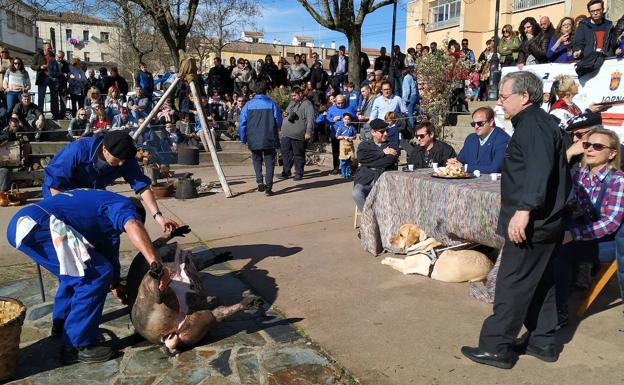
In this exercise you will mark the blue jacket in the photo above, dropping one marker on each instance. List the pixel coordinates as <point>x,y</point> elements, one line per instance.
<point>487,158</point>
<point>259,122</point>
<point>353,99</point>
<point>410,89</point>
<point>75,166</point>
<point>334,111</point>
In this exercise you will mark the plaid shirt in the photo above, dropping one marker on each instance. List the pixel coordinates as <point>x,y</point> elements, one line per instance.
<point>612,209</point>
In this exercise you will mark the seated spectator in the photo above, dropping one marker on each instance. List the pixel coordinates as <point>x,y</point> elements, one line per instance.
<point>233,115</point>
<point>166,113</point>
<point>429,150</point>
<point>79,126</point>
<point>374,156</point>
<point>533,43</point>
<point>139,104</point>
<point>148,137</point>
<point>15,82</point>
<point>393,130</point>
<point>124,120</point>
<point>216,107</point>
<point>9,133</point>
<point>171,138</point>
<point>591,234</point>
<point>94,100</point>
<point>563,91</point>
<point>593,33</point>
<point>387,102</point>
<point>99,124</point>
<point>30,117</point>
<point>483,150</point>
<point>560,45</point>
<point>112,103</point>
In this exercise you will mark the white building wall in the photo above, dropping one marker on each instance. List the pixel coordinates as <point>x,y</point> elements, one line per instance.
<point>10,33</point>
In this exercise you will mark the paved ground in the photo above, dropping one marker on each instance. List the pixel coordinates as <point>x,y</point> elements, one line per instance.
<point>298,249</point>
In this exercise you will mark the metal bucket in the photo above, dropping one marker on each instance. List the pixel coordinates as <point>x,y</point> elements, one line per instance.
<point>185,189</point>
<point>188,155</point>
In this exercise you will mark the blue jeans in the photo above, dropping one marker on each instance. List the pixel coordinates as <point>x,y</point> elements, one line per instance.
<point>411,106</point>
<point>595,251</point>
<point>13,98</point>
<point>345,167</point>
<point>397,85</point>
<point>359,194</point>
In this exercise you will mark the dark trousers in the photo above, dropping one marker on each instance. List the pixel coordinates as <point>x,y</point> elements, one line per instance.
<point>77,101</point>
<point>268,156</point>
<point>525,294</point>
<point>293,151</point>
<point>337,82</point>
<point>335,144</point>
<point>54,96</point>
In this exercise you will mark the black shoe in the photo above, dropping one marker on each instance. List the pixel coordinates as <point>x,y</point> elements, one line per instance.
<point>70,355</point>
<point>284,176</point>
<point>503,361</point>
<point>260,187</point>
<point>268,192</point>
<point>57,328</point>
<point>297,177</point>
<point>334,172</point>
<point>546,353</point>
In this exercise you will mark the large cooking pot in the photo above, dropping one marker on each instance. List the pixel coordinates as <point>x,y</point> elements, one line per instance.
<point>188,155</point>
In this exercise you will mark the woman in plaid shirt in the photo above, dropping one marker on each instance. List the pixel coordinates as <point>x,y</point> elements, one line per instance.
<point>591,234</point>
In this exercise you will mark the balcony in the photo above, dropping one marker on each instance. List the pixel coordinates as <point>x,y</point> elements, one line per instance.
<point>448,23</point>
<point>523,5</point>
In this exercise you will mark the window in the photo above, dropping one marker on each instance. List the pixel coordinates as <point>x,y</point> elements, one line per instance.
<point>444,14</point>
<point>255,40</point>
<point>69,55</point>
<point>28,27</point>
<point>103,57</point>
<point>11,20</point>
<point>104,36</point>
<point>37,32</point>
<point>86,57</point>
<point>53,37</point>
<point>19,23</point>
<point>68,34</point>
<point>85,35</point>
<point>303,44</point>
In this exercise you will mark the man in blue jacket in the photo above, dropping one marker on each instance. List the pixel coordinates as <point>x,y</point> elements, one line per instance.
<point>334,118</point>
<point>75,236</point>
<point>483,150</point>
<point>258,127</point>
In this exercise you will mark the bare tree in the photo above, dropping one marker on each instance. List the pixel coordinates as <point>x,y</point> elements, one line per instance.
<point>340,16</point>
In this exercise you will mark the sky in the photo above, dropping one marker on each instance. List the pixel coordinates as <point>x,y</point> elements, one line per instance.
<point>283,19</point>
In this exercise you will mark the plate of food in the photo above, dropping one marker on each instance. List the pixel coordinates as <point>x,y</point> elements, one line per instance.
<point>452,172</point>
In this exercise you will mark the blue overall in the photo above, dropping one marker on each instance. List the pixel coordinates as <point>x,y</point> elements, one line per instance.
<point>76,166</point>
<point>100,216</point>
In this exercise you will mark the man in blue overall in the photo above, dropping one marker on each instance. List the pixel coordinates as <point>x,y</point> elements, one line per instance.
<point>75,235</point>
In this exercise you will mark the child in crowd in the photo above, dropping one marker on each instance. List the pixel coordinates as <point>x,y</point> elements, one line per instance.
<point>474,83</point>
<point>352,95</point>
<point>346,134</point>
<point>394,136</point>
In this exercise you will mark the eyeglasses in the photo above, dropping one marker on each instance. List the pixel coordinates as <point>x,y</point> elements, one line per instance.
<point>595,146</point>
<point>17,62</point>
<point>82,114</point>
<point>506,31</point>
<point>579,135</point>
<point>478,124</point>
<point>421,136</point>
<point>599,10</point>
<point>503,98</point>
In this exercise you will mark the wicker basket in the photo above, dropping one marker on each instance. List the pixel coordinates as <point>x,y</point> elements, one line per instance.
<point>12,314</point>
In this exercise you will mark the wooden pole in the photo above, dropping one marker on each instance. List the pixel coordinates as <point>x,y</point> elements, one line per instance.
<point>207,140</point>
<point>156,108</point>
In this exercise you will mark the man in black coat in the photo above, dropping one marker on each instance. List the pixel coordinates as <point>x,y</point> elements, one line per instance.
<point>429,150</point>
<point>375,156</point>
<point>364,65</point>
<point>535,188</point>
<point>382,62</point>
<point>218,77</point>
<point>339,67</point>
<point>396,70</point>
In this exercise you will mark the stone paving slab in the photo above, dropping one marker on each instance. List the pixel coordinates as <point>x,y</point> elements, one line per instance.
<point>261,348</point>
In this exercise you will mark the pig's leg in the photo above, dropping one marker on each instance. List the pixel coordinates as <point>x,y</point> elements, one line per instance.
<point>249,302</point>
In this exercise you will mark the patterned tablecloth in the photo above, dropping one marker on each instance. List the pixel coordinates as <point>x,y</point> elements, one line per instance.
<point>450,210</point>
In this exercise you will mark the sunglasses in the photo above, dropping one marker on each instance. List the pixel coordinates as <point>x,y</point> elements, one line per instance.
<point>579,135</point>
<point>478,124</point>
<point>421,136</point>
<point>596,146</point>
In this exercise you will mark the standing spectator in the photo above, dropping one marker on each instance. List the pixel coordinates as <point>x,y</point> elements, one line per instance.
<point>535,187</point>
<point>5,64</point>
<point>484,69</point>
<point>42,81</point>
<point>375,156</point>
<point>269,70</point>
<point>298,72</point>
<point>508,46</point>
<point>382,62</point>
<point>91,81</point>
<point>241,75</point>
<point>58,72</point>
<point>533,44</point>
<point>115,79</point>
<point>339,67</point>
<point>139,104</point>
<point>258,127</point>
<point>376,83</point>
<point>593,33</point>
<point>77,82</point>
<point>396,69</point>
<point>30,117</point>
<point>297,128</point>
<point>388,102</point>
<point>364,65</point>
<point>364,111</point>
<point>334,118</point>
<point>145,80</point>
<point>470,56</point>
<point>102,80</point>
<point>318,77</point>
<point>346,135</point>
<point>79,126</point>
<point>410,58</point>
<point>547,28</point>
<point>218,77</point>
<point>560,45</point>
<point>433,47</point>
<point>352,96</point>
<point>411,96</point>
<point>281,75</point>
<point>16,81</point>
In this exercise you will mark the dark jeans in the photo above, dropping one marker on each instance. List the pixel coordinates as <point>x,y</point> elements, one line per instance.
<point>12,98</point>
<point>268,156</point>
<point>54,96</point>
<point>335,144</point>
<point>77,101</point>
<point>337,81</point>
<point>293,151</point>
<point>525,294</point>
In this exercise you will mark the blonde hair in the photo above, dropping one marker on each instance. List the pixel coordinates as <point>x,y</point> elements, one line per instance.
<point>390,117</point>
<point>614,143</point>
<point>74,62</point>
<point>93,90</point>
<point>565,84</point>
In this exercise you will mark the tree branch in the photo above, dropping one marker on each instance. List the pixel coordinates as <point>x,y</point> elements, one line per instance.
<point>325,22</point>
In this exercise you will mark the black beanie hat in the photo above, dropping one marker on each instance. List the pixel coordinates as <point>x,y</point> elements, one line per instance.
<point>120,144</point>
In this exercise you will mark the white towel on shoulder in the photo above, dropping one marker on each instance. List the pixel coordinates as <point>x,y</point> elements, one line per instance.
<point>23,227</point>
<point>72,249</point>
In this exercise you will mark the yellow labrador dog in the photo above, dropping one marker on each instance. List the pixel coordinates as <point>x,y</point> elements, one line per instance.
<point>451,265</point>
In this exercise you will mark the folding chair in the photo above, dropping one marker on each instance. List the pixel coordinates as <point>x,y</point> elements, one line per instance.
<point>604,275</point>
<point>355,218</point>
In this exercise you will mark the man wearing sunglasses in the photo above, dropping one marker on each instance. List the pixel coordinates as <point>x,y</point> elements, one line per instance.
<point>428,150</point>
<point>535,187</point>
<point>483,150</point>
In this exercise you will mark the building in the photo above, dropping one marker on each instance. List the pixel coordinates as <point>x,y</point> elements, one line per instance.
<point>252,37</point>
<point>17,30</point>
<point>303,41</point>
<point>439,20</point>
<point>88,38</point>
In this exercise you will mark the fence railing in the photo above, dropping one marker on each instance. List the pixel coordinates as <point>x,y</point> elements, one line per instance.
<point>522,5</point>
<point>452,22</point>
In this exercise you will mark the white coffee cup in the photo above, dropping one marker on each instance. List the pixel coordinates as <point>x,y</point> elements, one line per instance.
<point>476,173</point>
<point>410,167</point>
<point>435,166</point>
<point>466,167</point>
<point>494,177</point>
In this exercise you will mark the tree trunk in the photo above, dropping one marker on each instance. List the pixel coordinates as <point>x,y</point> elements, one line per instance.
<point>354,36</point>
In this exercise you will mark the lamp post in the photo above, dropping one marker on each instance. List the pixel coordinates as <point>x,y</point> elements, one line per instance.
<point>495,73</point>
<point>394,14</point>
